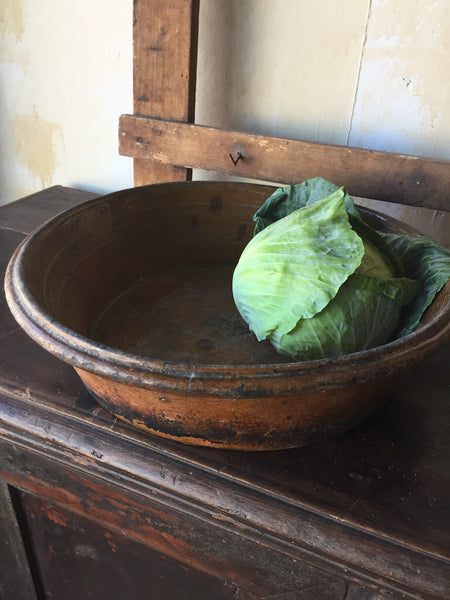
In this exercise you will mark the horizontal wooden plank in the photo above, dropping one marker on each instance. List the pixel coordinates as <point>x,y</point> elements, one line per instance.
<point>384,176</point>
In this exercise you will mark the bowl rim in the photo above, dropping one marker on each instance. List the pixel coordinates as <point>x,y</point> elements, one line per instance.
<point>88,355</point>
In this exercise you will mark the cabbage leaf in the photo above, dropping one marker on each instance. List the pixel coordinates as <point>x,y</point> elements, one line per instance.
<point>364,314</point>
<point>279,278</point>
<point>428,263</point>
<point>287,199</point>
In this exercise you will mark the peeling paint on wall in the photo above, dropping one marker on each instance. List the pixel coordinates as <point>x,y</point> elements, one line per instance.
<point>64,81</point>
<point>402,95</point>
<point>34,140</point>
<point>11,18</point>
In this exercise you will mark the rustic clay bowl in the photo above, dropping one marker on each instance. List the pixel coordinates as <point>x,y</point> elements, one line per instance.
<point>134,290</point>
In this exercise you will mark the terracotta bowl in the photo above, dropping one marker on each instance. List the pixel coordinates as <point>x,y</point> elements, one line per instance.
<point>134,290</point>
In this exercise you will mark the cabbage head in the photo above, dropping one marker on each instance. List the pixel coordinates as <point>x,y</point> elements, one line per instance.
<point>315,280</point>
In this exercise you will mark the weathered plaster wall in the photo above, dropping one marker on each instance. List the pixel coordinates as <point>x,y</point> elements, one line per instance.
<point>363,73</point>
<point>368,73</point>
<point>287,68</point>
<point>403,96</point>
<point>65,76</point>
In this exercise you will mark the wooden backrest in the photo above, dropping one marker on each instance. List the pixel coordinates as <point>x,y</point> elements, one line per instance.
<point>166,144</point>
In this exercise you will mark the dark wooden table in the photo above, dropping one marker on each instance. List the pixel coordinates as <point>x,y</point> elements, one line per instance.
<point>92,508</point>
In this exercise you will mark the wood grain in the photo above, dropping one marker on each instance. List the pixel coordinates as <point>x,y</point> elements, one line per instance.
<point>15,576</point>
<point>379,175</point>
<point>367,510</point>
<point>261,545</point>
<point>165,56</point>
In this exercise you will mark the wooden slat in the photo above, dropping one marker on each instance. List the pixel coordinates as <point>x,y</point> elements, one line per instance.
<point>26,214</point>
<point>383,176</point>
<point>165,55</point>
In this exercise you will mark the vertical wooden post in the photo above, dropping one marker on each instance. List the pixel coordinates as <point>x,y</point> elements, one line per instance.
<point>165,36</point>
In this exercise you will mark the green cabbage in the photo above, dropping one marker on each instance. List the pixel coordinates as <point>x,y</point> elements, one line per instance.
<point>279,278</point>
<point>317,281</point>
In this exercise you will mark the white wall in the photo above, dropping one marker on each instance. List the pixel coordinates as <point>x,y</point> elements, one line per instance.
<point>65,77</point>
<point>367,73</point>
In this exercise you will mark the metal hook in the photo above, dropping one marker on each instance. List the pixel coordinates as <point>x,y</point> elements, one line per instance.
<point>236,155</point>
